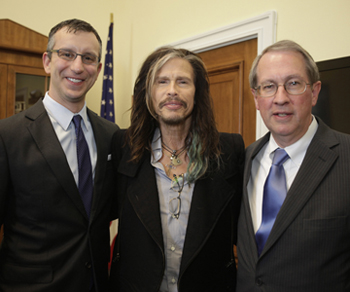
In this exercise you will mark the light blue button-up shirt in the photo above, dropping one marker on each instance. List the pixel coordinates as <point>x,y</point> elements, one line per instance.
<point>174,230</point>
<point>61,119</point>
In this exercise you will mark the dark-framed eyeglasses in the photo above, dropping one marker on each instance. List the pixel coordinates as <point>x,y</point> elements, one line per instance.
<point>293,86</point>
<point>177,185</point>
<point>68,55</point>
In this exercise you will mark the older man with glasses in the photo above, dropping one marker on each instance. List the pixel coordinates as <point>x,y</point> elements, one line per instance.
<point>294,225</point>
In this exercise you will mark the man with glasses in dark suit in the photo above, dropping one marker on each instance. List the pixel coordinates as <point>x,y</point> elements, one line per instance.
<point>56,176</point>
<point>294,225</point>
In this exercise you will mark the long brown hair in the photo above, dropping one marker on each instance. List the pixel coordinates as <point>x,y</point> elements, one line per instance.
<point>203,137</point>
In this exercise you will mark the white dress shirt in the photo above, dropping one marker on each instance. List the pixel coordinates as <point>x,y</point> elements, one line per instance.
<point>261,166</point>
<point>61,119</point>
<point>174,230</point>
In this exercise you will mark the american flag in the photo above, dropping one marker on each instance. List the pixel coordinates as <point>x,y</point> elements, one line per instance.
<point>107,102</point>
<point>107,112</point>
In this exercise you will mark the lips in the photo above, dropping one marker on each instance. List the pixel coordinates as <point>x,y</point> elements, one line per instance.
<point>281,114</point>
<point>173,103</point>
<point>74,80</point>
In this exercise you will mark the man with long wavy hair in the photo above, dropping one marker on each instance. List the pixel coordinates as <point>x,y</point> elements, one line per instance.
<point>179,183</point>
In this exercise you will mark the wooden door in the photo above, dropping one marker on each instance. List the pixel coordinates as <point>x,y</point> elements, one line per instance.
<point>3,91</point>
<point>228,68</point>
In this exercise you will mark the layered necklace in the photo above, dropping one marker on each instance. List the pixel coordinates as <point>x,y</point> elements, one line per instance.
<point>175,156</point>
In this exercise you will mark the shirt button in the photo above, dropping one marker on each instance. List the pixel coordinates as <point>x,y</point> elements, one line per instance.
<point>88,265</point>
<point>172,248</point>
<point>258,282</point>
<point>173,280</point>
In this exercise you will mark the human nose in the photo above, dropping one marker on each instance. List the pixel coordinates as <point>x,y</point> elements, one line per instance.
<point>172,89</point>
<point>281,95</point>
<point>77,64</point>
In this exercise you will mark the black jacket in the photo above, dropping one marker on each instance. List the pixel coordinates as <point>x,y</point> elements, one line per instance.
<point>206,265</point>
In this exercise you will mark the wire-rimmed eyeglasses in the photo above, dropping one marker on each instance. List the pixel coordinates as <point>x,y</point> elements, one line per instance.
<point>68,55</point>
<point>293,86</point>
<point>177,185</point>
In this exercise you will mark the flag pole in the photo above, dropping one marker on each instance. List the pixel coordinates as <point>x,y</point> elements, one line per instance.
<point>107,101</point>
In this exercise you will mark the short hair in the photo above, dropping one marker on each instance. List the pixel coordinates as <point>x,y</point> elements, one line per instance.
<point>203,137</point>
<point>286,45</point>
<point>72,25</point>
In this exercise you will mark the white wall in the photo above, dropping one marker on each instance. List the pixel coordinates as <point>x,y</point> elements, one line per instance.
<point>140,26</point>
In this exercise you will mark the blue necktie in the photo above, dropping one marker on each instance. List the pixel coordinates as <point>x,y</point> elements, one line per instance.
<point>85,184</point>
<point>275,191</point>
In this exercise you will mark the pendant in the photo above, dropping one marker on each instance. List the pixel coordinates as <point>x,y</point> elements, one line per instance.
<point>171,166</point>
<point>176,161</point>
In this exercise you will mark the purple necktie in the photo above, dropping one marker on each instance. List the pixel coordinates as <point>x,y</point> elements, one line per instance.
<point>84,165</point>
<point>275,191</point>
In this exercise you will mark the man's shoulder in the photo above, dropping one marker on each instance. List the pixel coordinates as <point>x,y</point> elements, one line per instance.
<point>95,118</point>
<point>231,140</point>
<point>22,118</point>
<point>330,136</point>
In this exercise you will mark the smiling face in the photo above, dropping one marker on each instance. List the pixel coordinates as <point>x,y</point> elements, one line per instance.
<point>286,116</point>
<point>71,80</point>
<point>173,92</point>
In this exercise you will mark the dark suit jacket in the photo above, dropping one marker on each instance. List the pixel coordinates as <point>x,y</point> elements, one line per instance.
<point>139,262</point>
<point>309,246</point>
<point>49,243</point>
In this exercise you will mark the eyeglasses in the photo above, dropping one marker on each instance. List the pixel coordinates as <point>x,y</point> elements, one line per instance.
<point>293,86</point>
<point>89,59</point>
<point>177,185</point>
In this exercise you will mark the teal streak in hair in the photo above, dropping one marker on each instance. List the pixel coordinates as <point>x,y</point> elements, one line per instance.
<point>197,165</point>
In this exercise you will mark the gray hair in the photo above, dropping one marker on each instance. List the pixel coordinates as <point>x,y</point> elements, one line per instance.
<point>286,45</point>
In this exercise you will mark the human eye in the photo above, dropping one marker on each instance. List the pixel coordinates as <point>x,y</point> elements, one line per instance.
<point>268,87</point>
<point>294,83</point>
<point>184,81</point>
<point>161,81</point>
<point>89,59</point>
<point>67,54</point>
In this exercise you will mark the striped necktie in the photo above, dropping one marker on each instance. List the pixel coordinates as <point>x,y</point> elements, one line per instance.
<point>85,184</point>
<point>275,191</point>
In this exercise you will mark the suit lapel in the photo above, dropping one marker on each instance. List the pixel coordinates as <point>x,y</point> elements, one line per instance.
<point>210,197</point>
<point>143,195</point>
<point>318,161</point>
<point>102,147</point>
<point>245,212</point>
<point>46,140</point>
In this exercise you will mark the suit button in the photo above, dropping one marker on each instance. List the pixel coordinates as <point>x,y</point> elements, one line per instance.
<point>258,282</point>
<point>88,265</point>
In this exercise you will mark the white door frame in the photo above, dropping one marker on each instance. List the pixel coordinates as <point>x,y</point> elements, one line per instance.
<point>262,27</point>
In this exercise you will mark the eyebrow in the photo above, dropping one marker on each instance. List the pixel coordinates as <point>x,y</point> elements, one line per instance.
<point>87,53</point>
<point>285,79</point>
<point>177,77</point>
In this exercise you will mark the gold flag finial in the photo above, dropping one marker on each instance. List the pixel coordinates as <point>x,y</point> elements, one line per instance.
<point>111,17</point>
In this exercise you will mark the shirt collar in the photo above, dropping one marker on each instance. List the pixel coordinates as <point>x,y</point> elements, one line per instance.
<point>297,150</point>
<point>61,114</point>
<point>156,146</point>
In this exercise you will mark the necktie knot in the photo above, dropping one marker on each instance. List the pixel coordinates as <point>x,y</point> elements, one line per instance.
<point>76,120</point>
<point>280,157</point>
